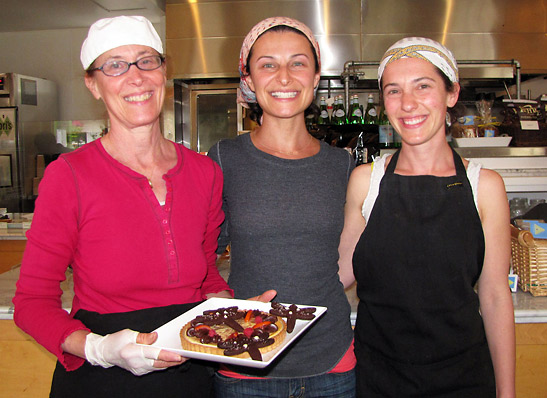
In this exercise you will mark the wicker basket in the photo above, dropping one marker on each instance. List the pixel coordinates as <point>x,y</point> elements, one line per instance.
<point>529,257</point>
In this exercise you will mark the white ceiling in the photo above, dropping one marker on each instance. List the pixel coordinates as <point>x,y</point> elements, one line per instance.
<point>27,15</point>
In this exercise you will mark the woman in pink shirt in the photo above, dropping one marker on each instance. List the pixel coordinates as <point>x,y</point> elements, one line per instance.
<point>137,218</point>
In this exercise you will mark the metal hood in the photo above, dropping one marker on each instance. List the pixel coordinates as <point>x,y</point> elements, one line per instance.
<point>203,38</point>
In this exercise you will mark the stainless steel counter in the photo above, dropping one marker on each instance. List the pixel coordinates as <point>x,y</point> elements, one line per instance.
<point>528,309</point>
<point>523,169</point>
<point>13,233</point>
<point>498,152</point>
<point>17,228</point>
<point>7,291</point>
<point>495,152</point>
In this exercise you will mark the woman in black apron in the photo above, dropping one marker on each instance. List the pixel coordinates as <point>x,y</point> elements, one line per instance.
<point>434,232</point>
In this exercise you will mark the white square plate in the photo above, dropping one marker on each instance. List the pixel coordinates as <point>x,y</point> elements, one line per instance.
<point>169,334</point>
<point>482,142</point>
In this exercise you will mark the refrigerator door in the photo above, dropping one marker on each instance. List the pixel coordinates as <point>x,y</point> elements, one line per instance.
<point>215,117</point>
<point>10,179</point>
<point>207,113</point>
<point>36,104</point>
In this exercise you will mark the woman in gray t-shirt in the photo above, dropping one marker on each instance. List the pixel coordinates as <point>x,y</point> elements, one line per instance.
<point>284,195</point>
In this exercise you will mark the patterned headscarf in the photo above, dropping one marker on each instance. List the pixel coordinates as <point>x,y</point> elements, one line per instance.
<point>422,48</point>
<point>247,95</point>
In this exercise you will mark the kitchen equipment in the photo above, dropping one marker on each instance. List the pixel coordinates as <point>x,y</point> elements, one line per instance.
<point>206,112</point>
<point>28,107</point>
<point>476,142</point>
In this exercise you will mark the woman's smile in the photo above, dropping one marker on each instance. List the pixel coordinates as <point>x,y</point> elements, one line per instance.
<point>284,94</point>
<point>413,121</point>
<point>138,97</point>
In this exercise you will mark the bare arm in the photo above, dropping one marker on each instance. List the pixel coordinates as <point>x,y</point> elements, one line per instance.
<point>494,294</point>
<point>354,223</point>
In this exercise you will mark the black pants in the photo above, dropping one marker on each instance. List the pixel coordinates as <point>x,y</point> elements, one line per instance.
<point>191,379</point>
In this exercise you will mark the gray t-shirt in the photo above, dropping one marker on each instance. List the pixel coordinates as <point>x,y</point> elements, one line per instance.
<point>283,220</point>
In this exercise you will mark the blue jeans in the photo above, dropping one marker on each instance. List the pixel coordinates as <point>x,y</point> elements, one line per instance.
<point>331,385</point>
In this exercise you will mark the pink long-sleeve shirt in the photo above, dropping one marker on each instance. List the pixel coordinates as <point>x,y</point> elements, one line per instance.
<point>126,250</point>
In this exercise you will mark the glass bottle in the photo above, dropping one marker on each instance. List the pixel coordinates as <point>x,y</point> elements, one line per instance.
<point>341,112</point>
<point>385,136</point>
<point>356,115</point>
<point>360,151</point>
<point>397,140</point>
<point>371,117</point>
<point>323,113</point>
<point>334,118</point>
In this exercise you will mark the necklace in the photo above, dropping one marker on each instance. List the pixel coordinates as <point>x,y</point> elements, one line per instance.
<point>289,153</point>
<point>150,178</point>
<point>120,158</point>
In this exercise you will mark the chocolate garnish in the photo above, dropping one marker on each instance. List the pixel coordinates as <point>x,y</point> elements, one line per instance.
<point>292,313</point>
<point>241,343</point>
<point>226,316</point>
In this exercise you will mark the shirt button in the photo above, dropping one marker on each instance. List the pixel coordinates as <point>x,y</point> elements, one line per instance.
<point>164,222</point>
<point>172,252</point>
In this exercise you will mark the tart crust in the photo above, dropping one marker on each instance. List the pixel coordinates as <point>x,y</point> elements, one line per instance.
<point>193,344</point>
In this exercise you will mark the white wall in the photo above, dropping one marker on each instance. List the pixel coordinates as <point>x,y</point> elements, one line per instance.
<point>55,55</point>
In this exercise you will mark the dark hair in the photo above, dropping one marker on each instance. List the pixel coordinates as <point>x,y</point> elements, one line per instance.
<point>256,110</point>
<point>448,84</point>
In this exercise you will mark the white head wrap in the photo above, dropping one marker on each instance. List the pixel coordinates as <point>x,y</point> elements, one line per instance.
<point>422,48</point>
<point>109,33</point>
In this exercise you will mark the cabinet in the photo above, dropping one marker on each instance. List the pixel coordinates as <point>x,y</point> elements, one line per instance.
<point>11,253</point>
<point>531,372</point>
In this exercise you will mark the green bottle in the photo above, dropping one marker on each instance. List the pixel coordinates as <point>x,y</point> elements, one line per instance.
<point>334,118</point>
<point>323,113</point>
<point>385,136</point>
<point>340,112</point>
<point>356,115</point>
<point>342,116</point>
<point>397,141</point>
<point>371,117</point>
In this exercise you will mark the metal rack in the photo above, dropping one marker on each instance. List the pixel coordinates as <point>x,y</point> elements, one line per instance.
<point>359,70</point>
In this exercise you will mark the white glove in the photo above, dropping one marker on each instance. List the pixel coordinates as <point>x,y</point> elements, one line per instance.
<point>120,349</point>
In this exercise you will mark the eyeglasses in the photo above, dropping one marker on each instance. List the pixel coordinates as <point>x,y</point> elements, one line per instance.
<point>117,68</point>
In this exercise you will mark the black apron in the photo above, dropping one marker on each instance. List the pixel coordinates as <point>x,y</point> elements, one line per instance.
<point>191,379</point>
<point>418,330</point>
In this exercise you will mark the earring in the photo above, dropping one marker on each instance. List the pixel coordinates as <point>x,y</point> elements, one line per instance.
<point>448,119</point>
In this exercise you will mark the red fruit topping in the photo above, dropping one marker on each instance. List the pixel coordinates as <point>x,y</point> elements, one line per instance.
<point>248,332</point>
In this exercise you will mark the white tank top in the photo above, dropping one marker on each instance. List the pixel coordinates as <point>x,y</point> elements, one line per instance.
<point>378,170</point>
